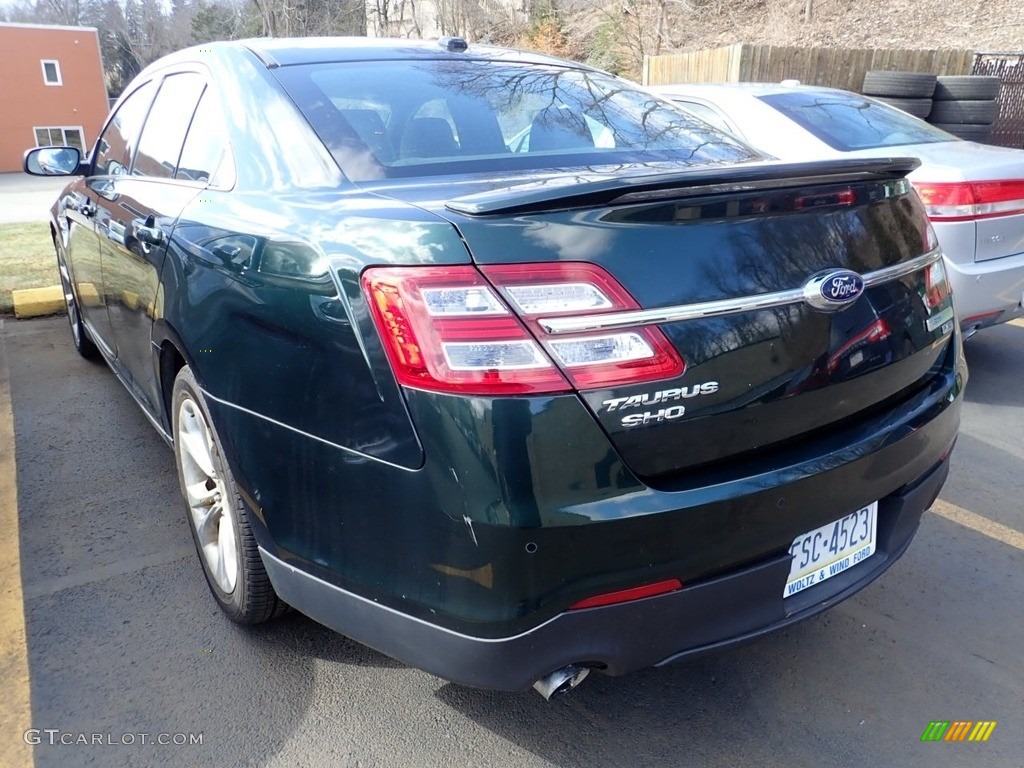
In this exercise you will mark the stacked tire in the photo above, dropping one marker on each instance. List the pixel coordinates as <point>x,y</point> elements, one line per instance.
<point>963,105</point>
<point>966,106</point>
<point>910,91</point>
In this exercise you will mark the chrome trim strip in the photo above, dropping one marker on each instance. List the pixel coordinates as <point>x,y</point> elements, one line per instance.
<point>638,317</point>
<point>900,270</point>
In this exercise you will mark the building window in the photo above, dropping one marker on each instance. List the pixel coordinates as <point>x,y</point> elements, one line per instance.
<point>51,71</point>
<point>60,137</point>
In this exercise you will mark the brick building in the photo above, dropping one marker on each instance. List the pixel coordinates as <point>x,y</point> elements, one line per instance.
<point>52,90</point>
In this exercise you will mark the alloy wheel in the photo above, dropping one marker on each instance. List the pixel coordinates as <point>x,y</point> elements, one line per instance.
<point>206,495</point>
<point>70,303</point>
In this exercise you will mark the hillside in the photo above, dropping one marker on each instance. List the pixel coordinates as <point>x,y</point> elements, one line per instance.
<point>616,35</point>
<point>981,25</point>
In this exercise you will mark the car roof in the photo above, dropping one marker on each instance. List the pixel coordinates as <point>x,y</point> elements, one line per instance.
<point>289,51</point>
<point>710,90</point>
<point>283,52</point>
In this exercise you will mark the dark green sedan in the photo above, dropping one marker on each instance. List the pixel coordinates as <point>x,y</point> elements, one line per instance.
<point>501,365</point>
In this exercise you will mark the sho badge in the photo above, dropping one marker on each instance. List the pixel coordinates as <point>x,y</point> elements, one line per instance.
<point>648,417</point>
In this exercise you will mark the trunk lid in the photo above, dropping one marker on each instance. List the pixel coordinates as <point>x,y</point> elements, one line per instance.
<point>719,260</point>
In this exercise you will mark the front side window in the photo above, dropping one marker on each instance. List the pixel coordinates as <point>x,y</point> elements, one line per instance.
<point>115,146</point>
<point>846,121</point>
<point>51,71</point>
<point>168,121</point>
<point>426,117</point>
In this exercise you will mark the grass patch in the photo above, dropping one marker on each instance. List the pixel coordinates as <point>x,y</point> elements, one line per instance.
<point>26,260</point>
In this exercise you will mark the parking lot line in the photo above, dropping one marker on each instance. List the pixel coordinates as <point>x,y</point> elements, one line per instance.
<point>1018,321</point>
<point>15,709</point>
<point>976,522</point>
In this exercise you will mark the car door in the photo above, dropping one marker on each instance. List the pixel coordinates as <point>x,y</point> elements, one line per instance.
<point>86,216</point>
<point>134,227</point>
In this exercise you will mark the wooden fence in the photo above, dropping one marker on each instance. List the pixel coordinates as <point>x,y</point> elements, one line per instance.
<point>833,67</point>
<point>1009,67</point>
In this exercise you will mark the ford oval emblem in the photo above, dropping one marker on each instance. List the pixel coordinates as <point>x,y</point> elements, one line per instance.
<point>833,290</point>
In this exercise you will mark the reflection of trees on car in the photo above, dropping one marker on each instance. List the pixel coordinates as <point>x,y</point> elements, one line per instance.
<point>486,115</point>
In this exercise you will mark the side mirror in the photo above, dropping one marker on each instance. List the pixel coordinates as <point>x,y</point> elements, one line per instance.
<point>52,161</point>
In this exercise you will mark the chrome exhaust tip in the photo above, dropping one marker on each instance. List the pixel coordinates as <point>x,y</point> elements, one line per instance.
<point>561,680</point>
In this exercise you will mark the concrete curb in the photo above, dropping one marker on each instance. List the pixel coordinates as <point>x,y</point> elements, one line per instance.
<point>36,302</point>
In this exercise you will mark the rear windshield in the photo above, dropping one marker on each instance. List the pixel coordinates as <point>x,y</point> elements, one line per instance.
<point>846,121</point>
<point>388,119</point>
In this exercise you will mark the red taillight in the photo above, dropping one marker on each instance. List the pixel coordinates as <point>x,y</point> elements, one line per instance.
<point>447,329</point>
<point>963,201</point>
<point>589,360</point>
<point>625,595</point>
<point>825,199</point>
<point>936,285</point>
<point>444,329</point>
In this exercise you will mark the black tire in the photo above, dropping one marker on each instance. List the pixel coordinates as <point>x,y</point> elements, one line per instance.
<point>980,133</point>
<point>965,112</point>
<point>916,107</point>
<point>906,85</point>
<point>967,87</point>
<point>80,337</point>
<point>251,598</point>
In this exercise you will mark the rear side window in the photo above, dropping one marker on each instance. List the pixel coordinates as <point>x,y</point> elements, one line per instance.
<point>115,145</point>
<point>427,117</point>
<point>846,121</point>
<point>205,157</point>
<point>705,113</point>
<point>168,121</point>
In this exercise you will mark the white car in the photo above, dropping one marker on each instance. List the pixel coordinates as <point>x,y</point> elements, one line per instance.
<point>974,193</point>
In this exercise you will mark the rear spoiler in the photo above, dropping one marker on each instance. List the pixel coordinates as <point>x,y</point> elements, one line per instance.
<point>588,189</point>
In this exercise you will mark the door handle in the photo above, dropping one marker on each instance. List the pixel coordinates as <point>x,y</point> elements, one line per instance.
<point>149,233</point>
<point>84,207</point>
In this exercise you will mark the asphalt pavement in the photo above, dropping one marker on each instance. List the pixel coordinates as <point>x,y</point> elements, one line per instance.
<point>123,639</point>
<point>28,198</point>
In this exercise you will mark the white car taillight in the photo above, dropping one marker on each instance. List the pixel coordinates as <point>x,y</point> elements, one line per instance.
<point>447,329</point>
<point>471,301</point>
<point>599,350</point>
<point>964,201</point>
<point>493,355</point>
<point>562,297</point>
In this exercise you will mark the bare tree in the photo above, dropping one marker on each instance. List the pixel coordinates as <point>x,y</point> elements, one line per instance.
<point>65,12</point>
<point>620,34</point>
<point>395,18</point>
<point>300,18</point>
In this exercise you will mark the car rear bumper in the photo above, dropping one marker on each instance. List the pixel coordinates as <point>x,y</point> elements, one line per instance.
<point>987,292</point>
<point>617,639</point>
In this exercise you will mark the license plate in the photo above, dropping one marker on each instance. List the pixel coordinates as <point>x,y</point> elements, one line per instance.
<point>828,551</point>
